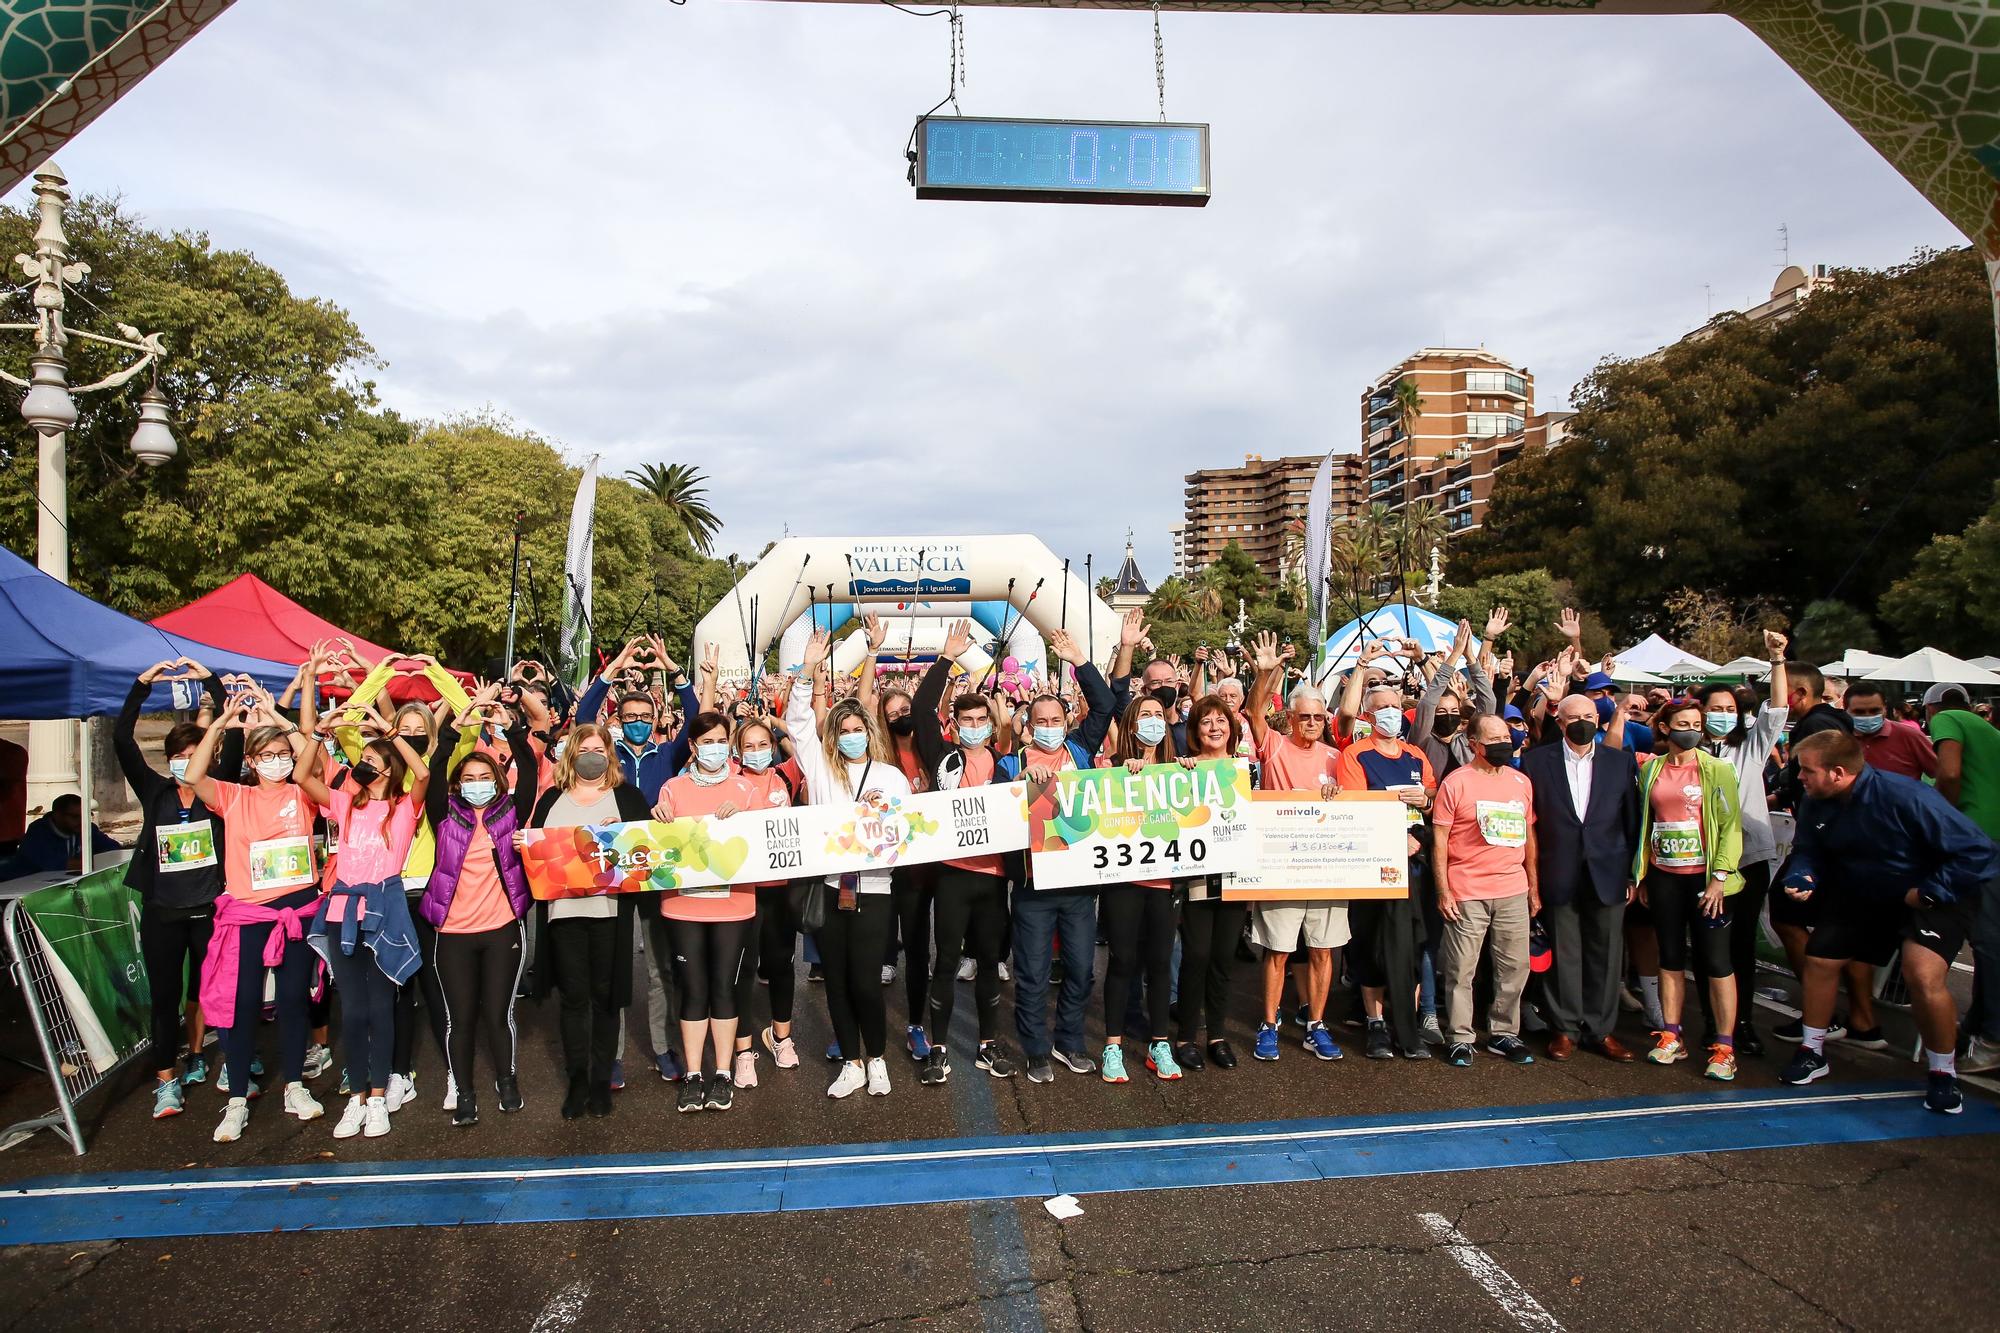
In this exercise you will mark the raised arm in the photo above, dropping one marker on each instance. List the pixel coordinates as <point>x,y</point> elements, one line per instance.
<point>1264,651</point>
<point>802,723</point>
<point>877,633</point>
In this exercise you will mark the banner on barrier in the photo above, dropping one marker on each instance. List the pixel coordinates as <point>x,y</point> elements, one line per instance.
<point>760,846</point>
<point>89,933</point>
<point>1353,846</point>
<point>1112,826</point>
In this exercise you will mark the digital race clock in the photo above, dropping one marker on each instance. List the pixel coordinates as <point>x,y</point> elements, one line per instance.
<point>1061,161</point>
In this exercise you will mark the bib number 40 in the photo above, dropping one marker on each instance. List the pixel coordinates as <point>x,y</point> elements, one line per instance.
<point>1147,853</point>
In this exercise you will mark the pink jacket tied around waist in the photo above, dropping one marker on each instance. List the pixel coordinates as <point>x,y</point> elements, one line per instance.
<point>225,949</point>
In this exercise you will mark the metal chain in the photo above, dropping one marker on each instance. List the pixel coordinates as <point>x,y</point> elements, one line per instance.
<point>1159,60</point>
<point>956,58</point>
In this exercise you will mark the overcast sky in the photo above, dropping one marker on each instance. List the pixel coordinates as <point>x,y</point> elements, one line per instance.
<point>683,233</point>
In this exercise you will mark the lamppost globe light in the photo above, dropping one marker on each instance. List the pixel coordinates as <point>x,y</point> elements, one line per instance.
<point>153,442</point>
<point>48,406</point>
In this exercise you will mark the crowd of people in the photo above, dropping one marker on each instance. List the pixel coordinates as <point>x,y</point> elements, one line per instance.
<point>1574,851</point>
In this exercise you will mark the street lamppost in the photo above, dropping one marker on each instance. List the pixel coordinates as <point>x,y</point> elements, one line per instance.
<point>49,408</point>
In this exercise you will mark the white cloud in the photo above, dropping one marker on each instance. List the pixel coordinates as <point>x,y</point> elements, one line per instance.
<point>683,232</point>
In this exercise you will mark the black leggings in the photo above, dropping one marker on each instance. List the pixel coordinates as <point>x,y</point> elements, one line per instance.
<point>1675,902</point>
<point>1139,923</point>
<point>708,963</point>
<point>424,984</point>
<point>971,921</point>
<point>478,973</point>
<point>768,953</point>
<point>1208,947</point>
<point>581,953</point>
<point>850,951</point>
<point>367,1011</point>
<point>173,947</point>
<point>913,889</point>
<point>295,976</point>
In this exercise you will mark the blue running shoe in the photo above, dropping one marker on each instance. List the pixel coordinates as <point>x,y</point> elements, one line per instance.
<point>1459,1055</point>
<point>1806,1067</point>
<point>197,1070</point>
<point>1112,1066</point>
<point>1943,1095</point>
<point>1267,1043</point>
<point>617,1075</point>
<point>1160,1059</point>
<point>833,1050</point>
<point>1320,1042</point>
<point>167,1099</point>
<point>919,1044</point>
<point>669,1065</point>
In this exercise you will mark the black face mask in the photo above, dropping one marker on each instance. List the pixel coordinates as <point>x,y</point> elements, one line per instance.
<point>1167,697</point>
<point>1445,725</point>
<point>365,772</point>
<point>1498,753</point>
<point>902,726</point>
<point>1580,732</point>
<point>419,742</point>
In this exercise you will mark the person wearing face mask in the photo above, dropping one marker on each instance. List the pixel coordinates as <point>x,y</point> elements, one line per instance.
<point>848,762</point>
<point>362,929</point>
<point>1388,934</point>
<point>269,888</point>
<point>477,903</point>
<point>1690,843</point>
<point>912,889</point>
<point>1889,745</point>
<point>1486,867</point>
<point>1210,927</point>
<point>773,937</point>
<point>176,870</point>
<point>1444,715</point>
<point>1045,918</point>
<point>583,946</point>
<point>1139,919</point>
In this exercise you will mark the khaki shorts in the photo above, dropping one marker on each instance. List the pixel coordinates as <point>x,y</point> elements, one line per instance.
<point>1277,927</point>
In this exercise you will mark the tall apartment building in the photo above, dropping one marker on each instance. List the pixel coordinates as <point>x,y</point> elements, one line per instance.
<point>1177,532</point>
<point>1474,418</point>
<point>1254,506</point>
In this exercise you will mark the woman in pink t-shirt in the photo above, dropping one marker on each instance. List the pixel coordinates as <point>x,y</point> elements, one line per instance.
<point>769,947</point>
<point>708,927</point>
<point>377,821</point>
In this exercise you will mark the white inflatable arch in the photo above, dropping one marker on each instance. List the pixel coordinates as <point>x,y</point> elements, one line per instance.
<point>1013,586</point>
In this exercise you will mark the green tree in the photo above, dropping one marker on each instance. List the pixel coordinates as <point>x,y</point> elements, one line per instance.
<point>1533,599</point>
<point>682,489</point>
<point>1779,463</point>
<point>1829,628</point>
<point>1174,599</point>
<point>1106,585</point>
<point>1950,599</point>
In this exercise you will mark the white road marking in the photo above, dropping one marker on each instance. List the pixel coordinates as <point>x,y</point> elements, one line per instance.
<point>1510,1295</point>
<point>1095,1144</point>
<point>562,1309</point>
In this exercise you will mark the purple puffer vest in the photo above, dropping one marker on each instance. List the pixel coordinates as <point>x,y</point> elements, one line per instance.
<point>454,837</point>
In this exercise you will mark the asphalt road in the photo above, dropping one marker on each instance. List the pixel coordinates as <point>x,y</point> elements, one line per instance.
<point>1897,1234</point>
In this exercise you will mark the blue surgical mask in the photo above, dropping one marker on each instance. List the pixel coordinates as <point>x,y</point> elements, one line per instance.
<point>1389,722</point>
<point>1150,730</point>
<point>179,768</point>
<point>853,744</point>
<point>479,791</point>
<point>1868,726</point>
<point>978,735</point>
<point>1048,738</point>
<point>757,760</point>
<point>1719,724</point>
<point>712,755</point>
<point>637,733</point>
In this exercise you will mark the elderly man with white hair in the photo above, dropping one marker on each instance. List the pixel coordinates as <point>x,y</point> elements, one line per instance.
<point>1298,760</point>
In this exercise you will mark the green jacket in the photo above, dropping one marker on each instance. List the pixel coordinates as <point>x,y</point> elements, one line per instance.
<point>1721,819</point>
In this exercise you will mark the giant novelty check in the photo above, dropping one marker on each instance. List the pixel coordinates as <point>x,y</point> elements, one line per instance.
<point>1352,846</point>
<point>1113,826</point>
<point>761,846</point>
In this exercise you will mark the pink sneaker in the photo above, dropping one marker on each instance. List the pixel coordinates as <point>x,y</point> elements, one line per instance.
<point>783,1054</point>
<point>745,1075</point>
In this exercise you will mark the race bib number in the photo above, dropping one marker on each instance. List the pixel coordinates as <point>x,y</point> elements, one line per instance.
<point>1677,844</point>
<point>188,846</point>
<point>1503,823</point>
<point>281,863</point>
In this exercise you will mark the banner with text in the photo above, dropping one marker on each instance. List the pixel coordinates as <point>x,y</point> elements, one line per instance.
<point>89,935</point>
<point>1112,826</point>
<point>1353,846</point>
<point>762,846</point>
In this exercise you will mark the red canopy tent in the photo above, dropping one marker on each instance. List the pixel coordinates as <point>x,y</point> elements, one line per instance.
<point>248,615</point>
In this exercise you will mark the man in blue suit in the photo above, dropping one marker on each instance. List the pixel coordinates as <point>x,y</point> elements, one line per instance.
<point>1587,813</point>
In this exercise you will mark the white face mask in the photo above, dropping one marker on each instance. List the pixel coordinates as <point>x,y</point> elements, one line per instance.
<point>276,768</point>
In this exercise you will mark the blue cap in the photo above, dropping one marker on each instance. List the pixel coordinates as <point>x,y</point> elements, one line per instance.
<point>1513,714</point>
<point>1597,680</point>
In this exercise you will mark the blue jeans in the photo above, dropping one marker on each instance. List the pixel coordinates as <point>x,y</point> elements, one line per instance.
<point>1039,918</point>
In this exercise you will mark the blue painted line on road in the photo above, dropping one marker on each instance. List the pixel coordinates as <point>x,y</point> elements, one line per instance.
<point>67,1209</point>
<point>999,1247</point>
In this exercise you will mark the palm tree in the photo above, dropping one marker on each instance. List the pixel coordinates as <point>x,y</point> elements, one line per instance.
<point>1172,600</point>
<point>1409,407</point>
<point>1356,551</point>
<point>1209,594</point>
<point>1106,585</point>
<point>684,491</point>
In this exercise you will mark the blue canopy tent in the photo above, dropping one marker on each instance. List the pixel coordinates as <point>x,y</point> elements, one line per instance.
<point>63,655</point>
<point>1432,632</point>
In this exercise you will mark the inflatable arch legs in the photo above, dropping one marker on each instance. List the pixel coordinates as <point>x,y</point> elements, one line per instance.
<point>919,629</point>
<point>1012,586</point>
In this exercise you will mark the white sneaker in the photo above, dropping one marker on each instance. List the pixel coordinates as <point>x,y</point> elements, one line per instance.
<point>450,1092</point>
<point>377,1117</point>
<point>888,974</point>
<point>234,1117</point>
<point>878,1077</point>
<point>300,1103</point>
<point>402,1090</point>
<point>849,1081</point>
<point>318,1060</point>
<point>1006,973</point>
<point>967,969</point>
<point>351,1118</point>
<point>1980,1056</point>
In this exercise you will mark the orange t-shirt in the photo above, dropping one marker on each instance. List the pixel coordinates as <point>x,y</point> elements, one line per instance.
<point>978,771</point>
<point>772,794</point>
<point>683,797</point>
<point>480,901</point>
<point>1292,767</point>
<point>1674,838</point>
<point>267,840</point>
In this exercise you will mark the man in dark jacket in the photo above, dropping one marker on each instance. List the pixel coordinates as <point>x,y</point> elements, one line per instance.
<point>1894,866</point>
<point>1587,813</point>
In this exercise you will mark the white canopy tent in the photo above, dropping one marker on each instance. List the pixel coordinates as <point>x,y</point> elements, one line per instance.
<point>1930,666</point>
<point>1750,668</point>
<point>1661,658</point>
<point>1990,663</point>
<point>1856,662</point>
